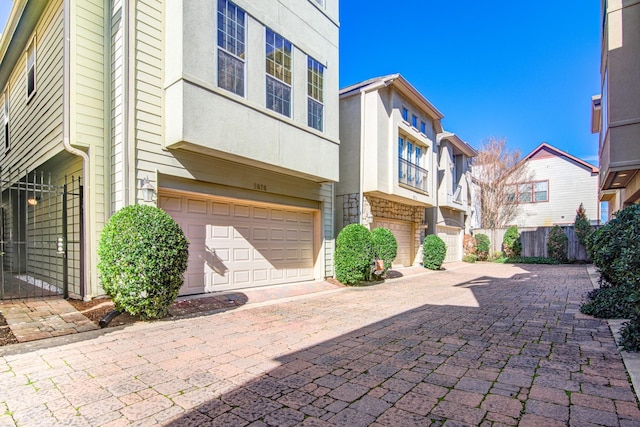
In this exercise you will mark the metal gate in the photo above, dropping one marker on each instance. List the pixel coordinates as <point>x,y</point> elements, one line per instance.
<point>40,237</point>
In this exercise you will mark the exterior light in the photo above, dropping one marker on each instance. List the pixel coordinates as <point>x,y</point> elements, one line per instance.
<point>147,190</point>
<point>32,201</point>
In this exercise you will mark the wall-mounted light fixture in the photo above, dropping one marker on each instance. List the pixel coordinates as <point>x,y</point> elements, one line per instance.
<point>148,190</point>
<point>33,200</point>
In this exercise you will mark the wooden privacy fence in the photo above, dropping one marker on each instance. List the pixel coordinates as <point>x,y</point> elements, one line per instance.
<point>534,241</point>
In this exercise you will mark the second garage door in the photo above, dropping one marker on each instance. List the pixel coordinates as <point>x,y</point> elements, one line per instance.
<point>452,237</point>
<point>238,244</point>
<point>403,231</point>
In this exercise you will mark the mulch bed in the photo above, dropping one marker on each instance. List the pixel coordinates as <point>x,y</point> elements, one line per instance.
<point>6,336</point>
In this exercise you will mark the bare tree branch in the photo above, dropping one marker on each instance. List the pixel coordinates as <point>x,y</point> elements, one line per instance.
<point>495,169</point>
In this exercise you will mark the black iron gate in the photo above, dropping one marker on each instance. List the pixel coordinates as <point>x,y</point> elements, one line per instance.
<point>40,236</point>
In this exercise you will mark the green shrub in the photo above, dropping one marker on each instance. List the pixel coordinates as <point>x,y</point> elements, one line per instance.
<point>353,255</point>
<point>385,246</point>
<point>143,256</point>
<point>611,302</point>
<point>630,334</point>
<point>469,244</point>
<point>472,258</point>
<point>616,248</point>
<point>511,243</point>
<point>582,226</point>
<point>557,244</point>
<point>434,252</point>
<point>483,246</point>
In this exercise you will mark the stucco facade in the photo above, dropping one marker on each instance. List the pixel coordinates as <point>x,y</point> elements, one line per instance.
<point>616,111</point>
<point>391,145</point>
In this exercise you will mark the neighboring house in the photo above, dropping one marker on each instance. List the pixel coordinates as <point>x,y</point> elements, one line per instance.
<point>454,204</point>
<point>225,114</point>
<point>557,184</point>
<point>616,111</point>
<point>389,136</point>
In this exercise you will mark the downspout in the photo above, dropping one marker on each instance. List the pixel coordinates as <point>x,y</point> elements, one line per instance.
<point>66,143</point>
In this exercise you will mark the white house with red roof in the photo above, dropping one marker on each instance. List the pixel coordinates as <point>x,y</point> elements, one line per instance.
<point>557,183</point>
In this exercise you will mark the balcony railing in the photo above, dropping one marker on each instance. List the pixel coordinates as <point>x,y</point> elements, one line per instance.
<point>412,175</point>
<point>457,195</point>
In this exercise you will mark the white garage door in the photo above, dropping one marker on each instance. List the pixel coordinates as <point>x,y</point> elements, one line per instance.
<point>238,244</point>
<point>404,236</point>
<point>452,237</point>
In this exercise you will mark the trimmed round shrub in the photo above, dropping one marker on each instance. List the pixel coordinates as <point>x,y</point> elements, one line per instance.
<point>511,243</point>
<point>616,248</point>
<point>471,258</point>
<point>611,302</point>
<point>469,244</point>
<point>385,246</point>
<point>630,333</point>
<point>434,251</point>
<point>143,256</point>
<point>557,244</point>
<point>353,255</point>
<point>483,246</point>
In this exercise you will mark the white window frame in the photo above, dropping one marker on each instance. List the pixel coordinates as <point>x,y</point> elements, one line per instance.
<point>236,54</point>
<point>315,92</point>
<point>30,69</point>
<point>279,80</point>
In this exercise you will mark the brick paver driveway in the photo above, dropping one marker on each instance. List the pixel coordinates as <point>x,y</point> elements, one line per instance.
<point>484,344</point>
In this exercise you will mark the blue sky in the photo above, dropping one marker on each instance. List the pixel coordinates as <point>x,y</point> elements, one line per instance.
<point>524,71</point>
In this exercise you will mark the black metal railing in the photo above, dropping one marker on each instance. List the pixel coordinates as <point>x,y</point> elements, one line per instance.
<point>412,175</point>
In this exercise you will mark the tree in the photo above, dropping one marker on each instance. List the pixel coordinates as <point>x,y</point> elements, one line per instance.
<point>495,169</point>
<point>582,225</point>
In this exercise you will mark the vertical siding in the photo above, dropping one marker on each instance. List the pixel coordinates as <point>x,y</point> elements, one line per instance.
<point>118,154</point>
<point>36,126</point>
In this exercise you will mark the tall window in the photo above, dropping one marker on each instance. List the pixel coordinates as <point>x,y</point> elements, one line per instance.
<point>231,47</point>
<point>423,128</point>
<point>278,57</point>
<point>410,171</point>
<point>7,145</point>
<point>31,68</point>
<point>405,114</point>
<point>315,92</point>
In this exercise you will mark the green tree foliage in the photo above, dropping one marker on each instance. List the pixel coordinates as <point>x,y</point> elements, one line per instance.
<point>483,246</point>
<point>143,256</point>
<point>385,246</point>
<point>557,244</point>
<point>582,226</point>
<point>511,242</point>
<point>353,255</point>
<point>434,252</point>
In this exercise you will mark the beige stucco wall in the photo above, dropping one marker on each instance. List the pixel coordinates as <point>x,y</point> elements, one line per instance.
<point>201,113</point>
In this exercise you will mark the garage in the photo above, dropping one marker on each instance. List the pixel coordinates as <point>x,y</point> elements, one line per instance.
<point>403,231</point>
<point>452,237</point>
<point>235,244</point>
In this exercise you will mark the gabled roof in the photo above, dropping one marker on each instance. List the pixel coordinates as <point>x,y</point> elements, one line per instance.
<point>468,150</point>
<point>401,84</point>
<point>545,148</point>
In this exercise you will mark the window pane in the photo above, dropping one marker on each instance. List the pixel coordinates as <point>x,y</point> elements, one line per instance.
<point>315,114</point>
<point>278,57</point>
<point>278,96</point>
<point>511,193</point>
<point>541,191</point>
<point>423,127</point>
<point>400,147</point>
<point>414,121</point>
<point>405,114</point>
<point>524,193</point>
<point>231,47</point>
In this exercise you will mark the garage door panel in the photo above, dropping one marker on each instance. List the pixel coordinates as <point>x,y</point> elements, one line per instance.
<point>404,237</point>
<point>236,245</point>
<point>452,239</point>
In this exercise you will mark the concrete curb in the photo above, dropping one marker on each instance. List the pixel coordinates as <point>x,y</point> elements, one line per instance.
<point>631,359</point>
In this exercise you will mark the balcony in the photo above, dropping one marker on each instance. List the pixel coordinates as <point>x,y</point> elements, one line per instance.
<point>412,175</point>
<point>456,197</point>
